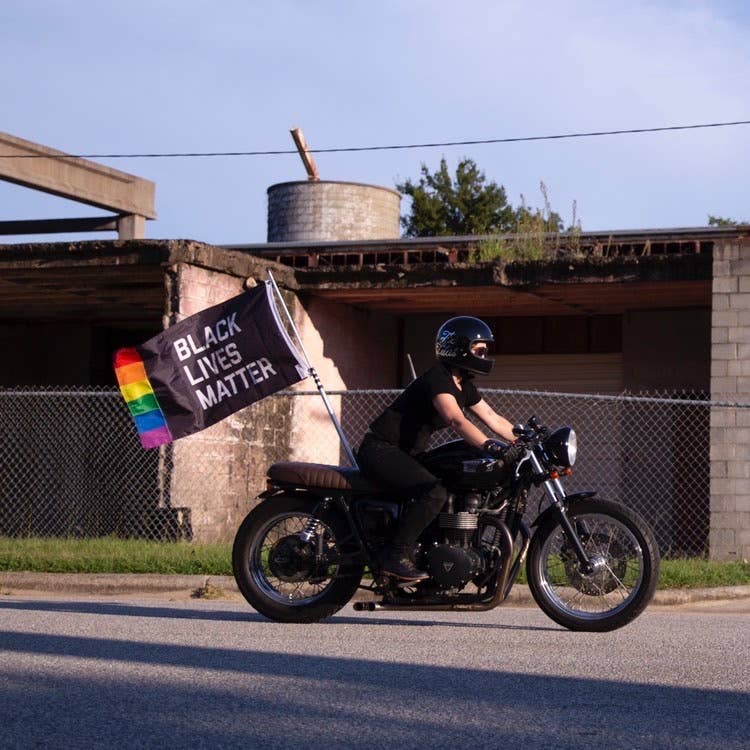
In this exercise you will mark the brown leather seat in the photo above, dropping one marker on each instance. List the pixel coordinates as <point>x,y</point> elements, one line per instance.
<point>319,475</point>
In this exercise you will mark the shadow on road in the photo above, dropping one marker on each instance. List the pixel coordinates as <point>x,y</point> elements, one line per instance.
<point>226,697</point>
<point>177,613</point>
<point>133,610</point>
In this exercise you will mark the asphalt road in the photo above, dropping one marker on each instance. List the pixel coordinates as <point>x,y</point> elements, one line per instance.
<point>124,672</point>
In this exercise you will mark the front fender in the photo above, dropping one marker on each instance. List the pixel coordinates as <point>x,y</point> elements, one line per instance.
<point>568,499</point>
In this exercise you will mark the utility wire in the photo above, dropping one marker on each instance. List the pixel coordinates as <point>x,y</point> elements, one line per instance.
<point>349,149</point>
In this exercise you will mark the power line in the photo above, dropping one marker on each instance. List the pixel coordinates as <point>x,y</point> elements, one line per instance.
<point>350,149</point>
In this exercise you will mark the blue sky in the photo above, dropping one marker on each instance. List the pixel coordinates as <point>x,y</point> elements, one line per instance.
<point>88,76</point>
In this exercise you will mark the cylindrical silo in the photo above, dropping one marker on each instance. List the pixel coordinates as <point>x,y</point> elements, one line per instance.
<point>322,210</point>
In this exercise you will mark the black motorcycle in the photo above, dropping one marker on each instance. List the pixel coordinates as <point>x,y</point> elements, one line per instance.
<point>302,552</point>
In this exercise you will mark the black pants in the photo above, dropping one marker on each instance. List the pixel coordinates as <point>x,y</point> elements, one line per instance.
<point>393,469</point>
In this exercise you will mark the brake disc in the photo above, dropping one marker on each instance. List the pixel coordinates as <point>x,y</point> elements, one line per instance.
<point>607,576</point>
<point>292,560</point>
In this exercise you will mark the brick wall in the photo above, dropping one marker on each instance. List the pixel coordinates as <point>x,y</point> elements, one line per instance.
<point>729,536</point>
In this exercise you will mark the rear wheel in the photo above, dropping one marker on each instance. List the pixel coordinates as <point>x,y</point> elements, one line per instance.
<point>623,574</point>
<point>287,576</point>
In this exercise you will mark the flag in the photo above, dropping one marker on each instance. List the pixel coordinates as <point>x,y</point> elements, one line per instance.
<point>208,366</point>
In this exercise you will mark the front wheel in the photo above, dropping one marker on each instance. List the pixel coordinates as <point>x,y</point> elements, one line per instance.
<point>291,565</point>
<point>623,572</point>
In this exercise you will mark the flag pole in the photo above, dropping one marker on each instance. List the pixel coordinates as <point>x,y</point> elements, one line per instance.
<point>318,383</point>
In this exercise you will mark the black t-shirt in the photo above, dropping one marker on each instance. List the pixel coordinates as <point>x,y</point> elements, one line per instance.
<point>410,420</point>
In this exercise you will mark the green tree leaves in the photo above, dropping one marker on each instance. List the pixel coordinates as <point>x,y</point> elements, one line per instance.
<point>720,221</point>
<point>467,205</point>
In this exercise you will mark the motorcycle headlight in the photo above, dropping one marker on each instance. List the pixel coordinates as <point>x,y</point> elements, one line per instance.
<point>561,446</point>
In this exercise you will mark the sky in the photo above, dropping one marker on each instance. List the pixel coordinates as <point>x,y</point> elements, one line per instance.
<point>165,76</point>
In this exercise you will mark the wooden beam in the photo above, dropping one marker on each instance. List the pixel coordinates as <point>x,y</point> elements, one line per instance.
<point>307,160</point>
<point>55,172</point>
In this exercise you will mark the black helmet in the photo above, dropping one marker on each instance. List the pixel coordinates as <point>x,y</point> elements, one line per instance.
<point>454,341</point>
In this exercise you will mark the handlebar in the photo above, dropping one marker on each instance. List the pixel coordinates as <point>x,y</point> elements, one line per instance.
<point>532,430</point>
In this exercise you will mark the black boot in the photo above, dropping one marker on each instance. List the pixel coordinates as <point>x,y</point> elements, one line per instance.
<point>398,561</point>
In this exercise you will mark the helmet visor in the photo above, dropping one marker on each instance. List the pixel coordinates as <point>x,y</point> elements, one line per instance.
<point>480,349</point>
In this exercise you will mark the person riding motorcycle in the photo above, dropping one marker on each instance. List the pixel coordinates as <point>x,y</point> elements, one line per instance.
<point>436,399</point>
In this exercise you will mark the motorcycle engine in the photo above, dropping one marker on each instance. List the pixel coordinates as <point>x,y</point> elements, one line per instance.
<point>452,567</point>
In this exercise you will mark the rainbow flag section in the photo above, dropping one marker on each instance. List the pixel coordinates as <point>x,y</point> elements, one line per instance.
<point>208,366</point>
<point>140,398</point>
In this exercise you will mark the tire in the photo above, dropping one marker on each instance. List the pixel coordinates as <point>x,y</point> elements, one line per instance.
<point>278,573</point>
<point>622,545</point>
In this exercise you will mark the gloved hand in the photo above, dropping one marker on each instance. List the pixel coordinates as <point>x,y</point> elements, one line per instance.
<point>506,453</point>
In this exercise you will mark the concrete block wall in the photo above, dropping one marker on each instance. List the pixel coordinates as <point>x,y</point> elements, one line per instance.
<point>729,536</point>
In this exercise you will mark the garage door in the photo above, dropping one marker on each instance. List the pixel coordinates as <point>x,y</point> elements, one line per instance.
<point>565,373</point>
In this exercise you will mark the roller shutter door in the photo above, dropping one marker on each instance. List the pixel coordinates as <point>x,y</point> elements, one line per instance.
<point>566,373</point>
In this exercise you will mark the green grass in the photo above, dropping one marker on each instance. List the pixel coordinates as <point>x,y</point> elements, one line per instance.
<point>686,573</point>
<point>113,555</point>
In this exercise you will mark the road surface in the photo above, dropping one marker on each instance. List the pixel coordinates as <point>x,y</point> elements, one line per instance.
<point>127,672</point>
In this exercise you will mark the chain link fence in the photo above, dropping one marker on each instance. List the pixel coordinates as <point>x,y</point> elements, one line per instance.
<point>71,464</point>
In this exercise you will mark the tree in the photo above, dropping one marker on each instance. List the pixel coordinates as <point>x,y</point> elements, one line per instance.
<point>468,204</point>
<point>442,206</point>
<point>720,221</point>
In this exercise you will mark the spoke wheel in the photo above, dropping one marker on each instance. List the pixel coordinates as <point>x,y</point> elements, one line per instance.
<point>287,569</point>
<point>288,575</point>
<point>617,584</point>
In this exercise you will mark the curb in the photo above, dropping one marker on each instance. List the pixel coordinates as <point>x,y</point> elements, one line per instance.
<point>202,586</point>
<point>112,584</point>
<point>669,597</point>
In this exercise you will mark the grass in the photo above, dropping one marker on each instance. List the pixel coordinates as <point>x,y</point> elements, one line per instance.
<point>113,555</point>
<point>536,236</point>
<point>686,573</point>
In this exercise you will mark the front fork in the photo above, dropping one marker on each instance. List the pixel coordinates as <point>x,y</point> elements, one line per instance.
<point>556,493</point>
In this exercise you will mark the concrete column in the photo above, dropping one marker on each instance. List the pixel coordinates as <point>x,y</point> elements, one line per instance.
<point>131,227</point>
<point>729,536</point>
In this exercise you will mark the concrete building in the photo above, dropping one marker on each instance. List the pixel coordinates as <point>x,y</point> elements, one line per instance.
<point>648,311</point>
<point>655,311</point>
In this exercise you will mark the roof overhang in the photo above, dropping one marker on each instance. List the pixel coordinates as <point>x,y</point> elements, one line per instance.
<point>587,286</point>
<point>108,281</point>
<point>128,280</point>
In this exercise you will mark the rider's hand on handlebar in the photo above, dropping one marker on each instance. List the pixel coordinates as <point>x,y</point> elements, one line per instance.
<point>514,452</point>
<point>506,453</point>
<point>494,448</point>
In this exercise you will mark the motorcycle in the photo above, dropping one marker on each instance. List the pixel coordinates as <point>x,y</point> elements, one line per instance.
<point>591,565</point>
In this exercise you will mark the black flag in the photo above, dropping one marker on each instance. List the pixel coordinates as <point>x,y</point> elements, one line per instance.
<point>208,366</point>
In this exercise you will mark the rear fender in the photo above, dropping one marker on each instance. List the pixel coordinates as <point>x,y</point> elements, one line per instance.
<point>313,493</point>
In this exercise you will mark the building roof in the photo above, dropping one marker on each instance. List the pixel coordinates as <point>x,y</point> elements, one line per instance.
<point>580,273</point>
<point>601,273</point>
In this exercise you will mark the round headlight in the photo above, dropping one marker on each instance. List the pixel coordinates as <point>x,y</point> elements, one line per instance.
<point>561,446</point>
<point>572,447</point>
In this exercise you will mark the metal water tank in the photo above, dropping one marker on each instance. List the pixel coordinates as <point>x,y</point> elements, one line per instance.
<point>322,210</point>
